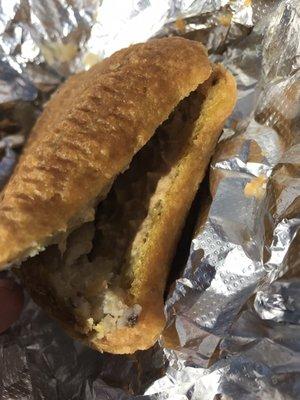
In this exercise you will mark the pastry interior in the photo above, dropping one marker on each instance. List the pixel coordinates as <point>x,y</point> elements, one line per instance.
<point>88,278</point>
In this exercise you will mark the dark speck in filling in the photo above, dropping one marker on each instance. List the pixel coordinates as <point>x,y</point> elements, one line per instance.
<point>132,320</point>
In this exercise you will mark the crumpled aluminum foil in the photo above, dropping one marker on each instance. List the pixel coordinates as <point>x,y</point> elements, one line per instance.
<point>238,333</point>
<point>258,359</point>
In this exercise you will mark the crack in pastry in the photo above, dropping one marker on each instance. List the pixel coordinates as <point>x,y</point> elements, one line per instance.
<point>104,186</point>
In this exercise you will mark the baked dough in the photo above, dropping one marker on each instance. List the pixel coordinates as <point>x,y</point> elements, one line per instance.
<point>104,280</point>
<point>87,134</point>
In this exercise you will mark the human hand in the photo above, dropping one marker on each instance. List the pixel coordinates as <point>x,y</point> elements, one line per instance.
<point>11,303</point>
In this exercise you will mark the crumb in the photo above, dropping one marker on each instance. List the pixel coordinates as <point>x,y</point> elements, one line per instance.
<point>58,51</point>
<point>90,59</point>
<point>180,25</point>
<point>225,20</point>
<point>256,187</point>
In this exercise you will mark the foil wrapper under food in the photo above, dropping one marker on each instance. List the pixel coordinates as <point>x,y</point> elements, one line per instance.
<point>236,325</point>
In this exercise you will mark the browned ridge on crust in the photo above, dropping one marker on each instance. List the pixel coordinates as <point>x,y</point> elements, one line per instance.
<point>88,133</point>
<point>103,276</point>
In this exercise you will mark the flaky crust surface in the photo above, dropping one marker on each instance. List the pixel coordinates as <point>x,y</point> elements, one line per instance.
<point>150,271</point>
<point>88,133</point>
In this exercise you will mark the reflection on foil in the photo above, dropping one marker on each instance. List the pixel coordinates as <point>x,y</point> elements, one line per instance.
<point>229,347</point>
<point>13,86</point>
<point>280,302</point>
<point>259,357</point>
<point>119,24</point>
<point>39,36</point>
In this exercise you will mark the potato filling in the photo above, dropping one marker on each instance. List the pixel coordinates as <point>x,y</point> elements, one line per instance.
<point>89,275</point>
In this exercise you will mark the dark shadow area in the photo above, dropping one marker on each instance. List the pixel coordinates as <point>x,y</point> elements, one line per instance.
<point>183,248</point>
<point>120,216</point>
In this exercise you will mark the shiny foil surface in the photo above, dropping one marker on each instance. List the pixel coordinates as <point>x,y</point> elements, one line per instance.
<point>235,309</point>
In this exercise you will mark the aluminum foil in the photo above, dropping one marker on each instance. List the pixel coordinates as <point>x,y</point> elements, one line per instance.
<point>258,359</point>
<point>236,325</point>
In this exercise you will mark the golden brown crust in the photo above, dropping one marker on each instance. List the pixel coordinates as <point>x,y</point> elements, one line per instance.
<point>152,271</point>
<point>88,133</point>
<point>151,267</point>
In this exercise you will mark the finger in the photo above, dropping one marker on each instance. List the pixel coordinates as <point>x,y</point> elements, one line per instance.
<point>11,303</point>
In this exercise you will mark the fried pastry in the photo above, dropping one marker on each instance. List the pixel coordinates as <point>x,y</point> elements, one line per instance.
<point>104,184</point>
